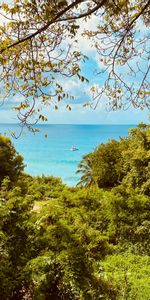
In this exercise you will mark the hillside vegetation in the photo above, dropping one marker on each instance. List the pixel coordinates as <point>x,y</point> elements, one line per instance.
<point>88,242</point>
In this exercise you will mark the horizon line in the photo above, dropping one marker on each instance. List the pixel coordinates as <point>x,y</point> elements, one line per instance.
<point>74,124</point>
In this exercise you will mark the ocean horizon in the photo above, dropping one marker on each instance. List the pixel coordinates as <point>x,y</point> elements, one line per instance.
<point>52,155</point>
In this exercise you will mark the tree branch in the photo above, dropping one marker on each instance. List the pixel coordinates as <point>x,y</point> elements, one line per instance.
<point>72,5</point>
<point>87,13</point>
<point>139,14</point>
<point>56,19</point>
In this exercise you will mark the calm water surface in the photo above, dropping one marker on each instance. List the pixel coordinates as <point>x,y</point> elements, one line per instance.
<point>52,155</point>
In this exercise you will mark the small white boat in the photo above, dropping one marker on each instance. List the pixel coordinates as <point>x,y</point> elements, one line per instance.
<point>73,148</point>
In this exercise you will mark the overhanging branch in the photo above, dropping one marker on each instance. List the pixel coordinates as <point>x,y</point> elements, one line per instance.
<point>57,18</point>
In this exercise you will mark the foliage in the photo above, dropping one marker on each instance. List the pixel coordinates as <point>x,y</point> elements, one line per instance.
<point>56,244</point>
<point>11,163</point>
<point>106,157</point>
<point>137,157</point>
<point>78,243</point>
<point>52,245</point>
<point>39,48</point>
<point>127,221</point>
<point>130,274</point>
<point>120,163</point>
<point>15,229</point>
<point>86,168</point>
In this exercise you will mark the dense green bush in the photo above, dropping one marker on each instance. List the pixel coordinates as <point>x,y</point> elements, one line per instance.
<point>102,167</point>
<point>52,244</point>
<point>11,163</point>
<point>129,274</point>
<point>126,162</point>
<point>78,243</point>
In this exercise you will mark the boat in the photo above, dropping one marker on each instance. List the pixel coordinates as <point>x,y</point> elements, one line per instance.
<point>73,148</point>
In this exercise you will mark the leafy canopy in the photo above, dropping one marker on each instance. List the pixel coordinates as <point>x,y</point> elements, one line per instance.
<point>11,163</point>
<point>71,243</point>
<point>39,48</point>
<point>77,243</point>
<point>119,163</point>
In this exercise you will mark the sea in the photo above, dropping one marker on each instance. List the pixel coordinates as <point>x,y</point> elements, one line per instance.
<point>52,155</point>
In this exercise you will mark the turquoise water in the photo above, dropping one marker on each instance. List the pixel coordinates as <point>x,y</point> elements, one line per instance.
<point>52,155</point>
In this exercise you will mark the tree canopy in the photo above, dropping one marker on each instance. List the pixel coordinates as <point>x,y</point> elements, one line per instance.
<point>77,243</point>
<point>11,163</point>
<point>39,47</point>
<point>123,162</point>
<point>71,243</point>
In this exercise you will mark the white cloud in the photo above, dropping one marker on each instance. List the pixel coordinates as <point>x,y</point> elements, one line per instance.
<point>85,45</point>
<point>71,84</point>
<point>8,116</point>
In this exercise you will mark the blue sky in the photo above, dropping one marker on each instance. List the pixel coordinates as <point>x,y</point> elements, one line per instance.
<point>80,114</point>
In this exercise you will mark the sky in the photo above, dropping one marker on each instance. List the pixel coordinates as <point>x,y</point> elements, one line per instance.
<point>80,114</point>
